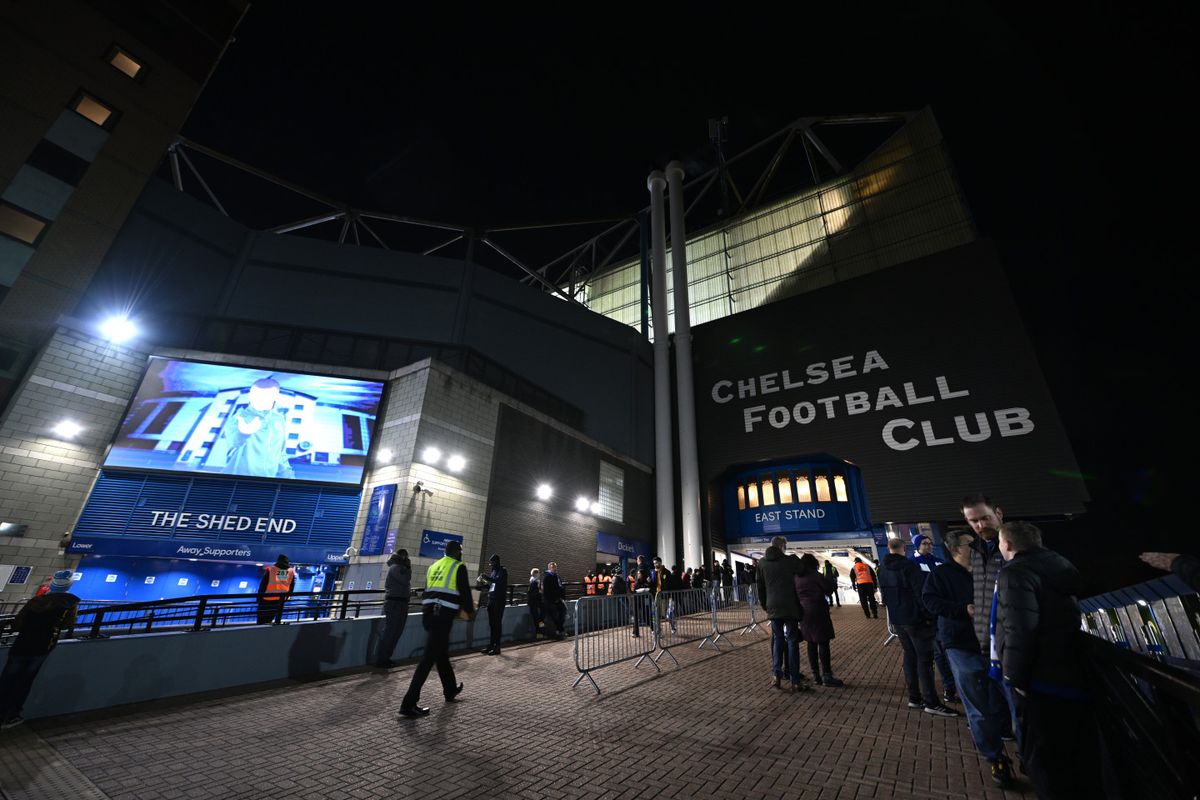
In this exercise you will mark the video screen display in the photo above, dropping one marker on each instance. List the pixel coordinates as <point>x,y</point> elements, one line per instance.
<point>189,416</point>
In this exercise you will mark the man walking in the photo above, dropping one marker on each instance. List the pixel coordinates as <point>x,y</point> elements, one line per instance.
<point>39,624</point>
<point>830,573</point>
<point>863,578</point>
<point>497,597</point>
<point>948,592</point>
<point>397,587</point>
<point>554,596</point>
<point>447,594</point>
<point>1036,631</point>
<point>899,583</point>
<point>776,584</point>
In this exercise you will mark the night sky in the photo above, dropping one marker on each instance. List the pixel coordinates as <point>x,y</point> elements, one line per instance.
<point>1065,131</point>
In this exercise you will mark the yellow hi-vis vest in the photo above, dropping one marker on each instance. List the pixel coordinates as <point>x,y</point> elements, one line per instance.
<point>440,587</point>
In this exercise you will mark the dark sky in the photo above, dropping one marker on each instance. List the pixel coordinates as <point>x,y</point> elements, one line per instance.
<point>1065,130</point>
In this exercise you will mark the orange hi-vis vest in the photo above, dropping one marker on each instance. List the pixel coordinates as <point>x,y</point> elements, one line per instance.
<point>605,582</point>
<point>279,582</point>
<point>862,574</point>
<point>590,584</point>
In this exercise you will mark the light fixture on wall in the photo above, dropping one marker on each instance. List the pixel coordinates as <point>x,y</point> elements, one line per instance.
<point>456,463</point>
<point>431,455</point>
<point>118,329</point>
<point>545,491</point>
<point>595,507</point>
<point>383,456</point>
<point>68,429</point>
<point>582,504</point>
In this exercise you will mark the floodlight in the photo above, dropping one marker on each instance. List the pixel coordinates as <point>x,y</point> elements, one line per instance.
<point>431,455</point>
<point>596,507</point>
<point>118,329</point>
<point>383,456</point>
<point>456,463</point>
<point>67,429</point>
<point>582,504</point>
<point>544,492</point>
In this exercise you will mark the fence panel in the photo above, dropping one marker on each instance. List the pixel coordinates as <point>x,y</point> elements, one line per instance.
<point>735,608</point>
<point>612,630</point>
<point>682,616</point>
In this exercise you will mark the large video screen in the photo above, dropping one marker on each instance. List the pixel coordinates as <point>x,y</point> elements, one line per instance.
<point>195,417</point>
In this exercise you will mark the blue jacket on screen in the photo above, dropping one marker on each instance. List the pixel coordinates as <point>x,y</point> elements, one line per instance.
<point>948,592</point>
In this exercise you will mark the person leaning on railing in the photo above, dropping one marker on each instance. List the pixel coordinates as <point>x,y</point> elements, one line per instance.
<point>39,622</point>
<point>397,587</point>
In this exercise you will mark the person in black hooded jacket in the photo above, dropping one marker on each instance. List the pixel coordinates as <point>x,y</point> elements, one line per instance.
<point>1037,645</point>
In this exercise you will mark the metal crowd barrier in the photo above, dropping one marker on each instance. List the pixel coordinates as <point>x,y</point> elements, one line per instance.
<point>734,607</point>
<point>612,630</point>
<point>1159,619</point>
<point>683,616</point>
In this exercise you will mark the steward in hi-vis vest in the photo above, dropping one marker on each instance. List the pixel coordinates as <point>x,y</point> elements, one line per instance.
<point>447,596</point>
<point>276,585</point>
<point>589,583</point>
<point>863,578</point>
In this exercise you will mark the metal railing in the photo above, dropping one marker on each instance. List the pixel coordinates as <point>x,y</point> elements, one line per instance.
<point>611,630</point>
<point>1149,718</point>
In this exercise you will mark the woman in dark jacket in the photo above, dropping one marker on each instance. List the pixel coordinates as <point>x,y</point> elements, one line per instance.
<point>534,601</point>
<point>816,627</point>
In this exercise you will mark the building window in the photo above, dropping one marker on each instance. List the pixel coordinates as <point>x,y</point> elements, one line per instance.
<point>822,489</point>
<point>839,489</point>
<point>20,225</point>
<point>127,63</point>
<point>803,489</point>
<point>768,492</point>
<point>785,490</point>
<point>612,492</point>
<point>753,488</point>
<point>93,110</point>
<point>741,498</point>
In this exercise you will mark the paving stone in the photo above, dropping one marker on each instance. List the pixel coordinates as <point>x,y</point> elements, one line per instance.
<point>712,727</point>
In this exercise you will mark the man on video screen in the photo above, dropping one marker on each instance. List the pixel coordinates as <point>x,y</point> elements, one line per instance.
<point>257,435</point>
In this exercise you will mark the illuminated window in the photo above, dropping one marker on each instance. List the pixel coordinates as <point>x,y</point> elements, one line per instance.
<point>92,109</point>
<point>741,498</point>
<point>612,492</point>
<point>803,490</point>
<point>768,492</point>
<point>785,490</point>
<point>122,60</point>
<point>20,225</point>
<point>822,489</point>
<point>753,495</point>
<point>839,488</point>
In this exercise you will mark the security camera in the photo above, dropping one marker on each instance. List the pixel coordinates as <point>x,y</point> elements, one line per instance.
<point>419,488</point>
<point>351,552</point>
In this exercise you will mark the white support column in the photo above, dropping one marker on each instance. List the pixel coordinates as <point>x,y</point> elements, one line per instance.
<point>664,467</point>
<point>689,466</point>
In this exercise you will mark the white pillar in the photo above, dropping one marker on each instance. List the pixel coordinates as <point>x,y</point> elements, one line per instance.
<point>689,466</point>
<point>664,467</point>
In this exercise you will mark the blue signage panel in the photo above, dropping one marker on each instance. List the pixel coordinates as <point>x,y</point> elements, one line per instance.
<point>378,515</point>
<point>807,494</point>
<point>433,543</point>
<point>620,546</point>
<point>840,554</point>
<point>250,552</point>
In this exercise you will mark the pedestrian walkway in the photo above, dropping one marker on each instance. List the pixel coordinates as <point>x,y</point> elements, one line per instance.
<point>713,728</point>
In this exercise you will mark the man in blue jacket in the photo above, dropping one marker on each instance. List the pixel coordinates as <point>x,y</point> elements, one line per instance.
<point>900,582</point>
<point>949,591</point>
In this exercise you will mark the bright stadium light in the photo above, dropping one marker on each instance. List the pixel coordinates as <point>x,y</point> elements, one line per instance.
<point>596,507</point>
<point>383,456</point>
<point>544,492</point>
<point>68,429</point>
<point>431,455</point>
<point>118,329</point>
<point>582,504</point>
<point>456,463</point>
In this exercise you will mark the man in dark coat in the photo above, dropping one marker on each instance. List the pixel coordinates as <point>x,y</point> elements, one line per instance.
<point>497,598</point>
<point>39,624</point>
<point>1037,633</point>
<point>948,592</point>
<point>777,595</point>
<point>554,596</point>
<point>816,626</point>
<point>397,587</point>
<point>830,573</point>
<point>900,582</point>
<point>985,518</point>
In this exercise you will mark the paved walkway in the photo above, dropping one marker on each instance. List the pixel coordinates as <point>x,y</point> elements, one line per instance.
<point>712,728</point>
